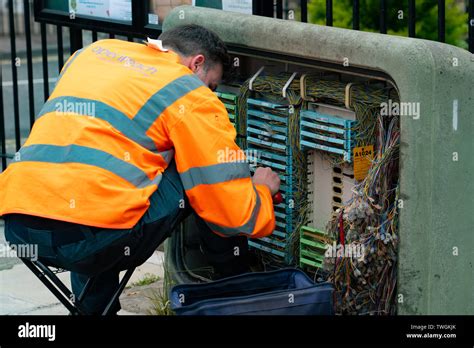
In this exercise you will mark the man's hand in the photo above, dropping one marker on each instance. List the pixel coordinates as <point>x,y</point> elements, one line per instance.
<point>267,177</point>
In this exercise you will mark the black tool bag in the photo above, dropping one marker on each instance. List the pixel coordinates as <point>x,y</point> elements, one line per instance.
<point>282,292</point>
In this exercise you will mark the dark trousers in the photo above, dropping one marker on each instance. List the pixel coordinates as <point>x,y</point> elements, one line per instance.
<point>90,251</point>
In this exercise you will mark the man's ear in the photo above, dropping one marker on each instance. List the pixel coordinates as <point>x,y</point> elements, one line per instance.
<point>197,62</point>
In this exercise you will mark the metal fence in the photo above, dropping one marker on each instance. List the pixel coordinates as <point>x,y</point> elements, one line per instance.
<point>278,12</point>
<point>74,32</point>
<point>18,11</point>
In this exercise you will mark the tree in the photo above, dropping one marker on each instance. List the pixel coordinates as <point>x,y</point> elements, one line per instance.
<point>397,18</point>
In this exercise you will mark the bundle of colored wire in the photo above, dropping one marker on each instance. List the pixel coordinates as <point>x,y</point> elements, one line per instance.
<point>366,284</point>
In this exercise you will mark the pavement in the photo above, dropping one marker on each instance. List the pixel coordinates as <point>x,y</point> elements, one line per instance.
<point>22,293</point>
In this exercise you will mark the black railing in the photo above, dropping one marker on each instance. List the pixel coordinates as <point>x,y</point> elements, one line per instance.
<point>441,20</point>
<point>2,128</point>
<point>470,18</point>
<point>383,16</point>
<point>277,8</point>
<point>411,18</point>
<point>29,62</point>
<point>139,29</point>
<point>14,62</point>
<point>355,15</point>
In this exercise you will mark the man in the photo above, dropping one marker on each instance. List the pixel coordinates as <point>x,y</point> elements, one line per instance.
<point>131,137</point>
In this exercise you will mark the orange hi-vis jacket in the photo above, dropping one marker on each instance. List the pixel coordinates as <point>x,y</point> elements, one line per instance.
<point>120,112</point>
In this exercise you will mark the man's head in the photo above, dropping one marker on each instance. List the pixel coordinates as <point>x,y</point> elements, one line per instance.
<point>200,50</point>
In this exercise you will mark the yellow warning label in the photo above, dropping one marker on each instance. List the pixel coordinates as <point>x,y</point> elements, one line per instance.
<point>363,157</point>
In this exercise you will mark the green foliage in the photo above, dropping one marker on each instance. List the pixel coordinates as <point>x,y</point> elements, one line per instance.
<point>160,301</point>
<point>147,279</point>
<point>397,18</point>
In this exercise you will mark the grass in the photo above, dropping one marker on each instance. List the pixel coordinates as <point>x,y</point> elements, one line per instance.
<point>161,304</point>
<point>147,279</point>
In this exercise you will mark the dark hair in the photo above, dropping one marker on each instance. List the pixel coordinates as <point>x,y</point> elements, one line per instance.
<point>192,39</point>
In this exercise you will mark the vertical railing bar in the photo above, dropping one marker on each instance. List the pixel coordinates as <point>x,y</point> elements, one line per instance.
<point>16,111</point>
<point>29,62</point>
<point>59,36</point>
<point>263,8</point>
<point>383,16</point>
<point>112,35</point>
<point>2,127</point>
<point>71,41</point>
<point>441,21</point>
<point>329,13</point>
<point>411,18</point>
<point>130,38</point>
<point>94,36</point>
<point>75,39</point>
<point>304,11</point>
<point>279,9</point>
<point>44,51</point>
<point>470,24</point>
<point>356,15</point>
